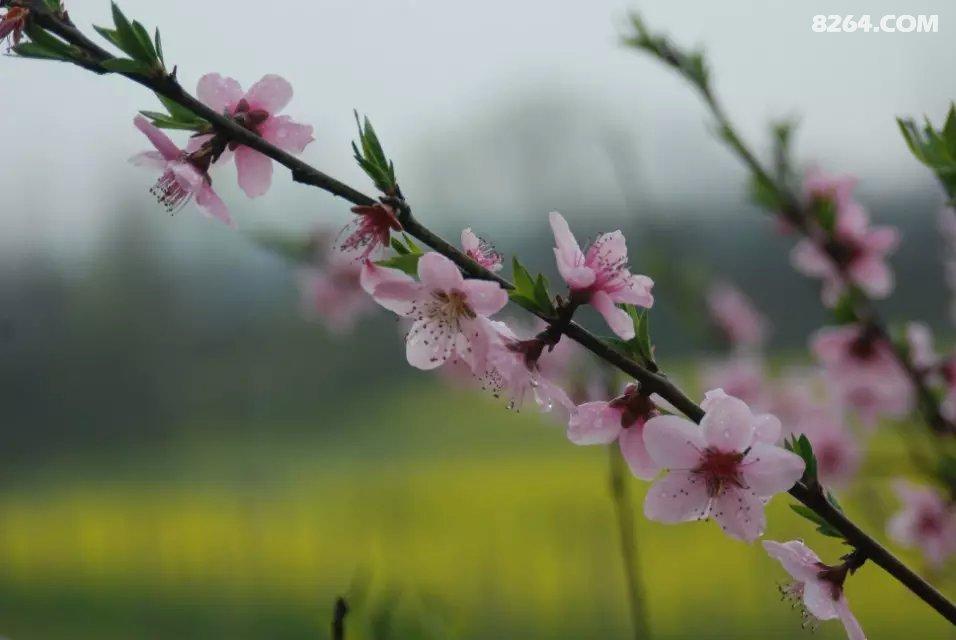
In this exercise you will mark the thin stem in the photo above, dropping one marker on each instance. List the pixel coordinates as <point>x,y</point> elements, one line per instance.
<point>650,382</point>
<point>339,612</point>
<point>627,535</point>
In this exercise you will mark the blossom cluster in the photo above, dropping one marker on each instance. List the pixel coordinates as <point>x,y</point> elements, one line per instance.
<point>185,171</point>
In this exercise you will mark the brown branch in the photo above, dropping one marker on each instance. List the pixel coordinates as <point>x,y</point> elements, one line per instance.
<point>651,382</point>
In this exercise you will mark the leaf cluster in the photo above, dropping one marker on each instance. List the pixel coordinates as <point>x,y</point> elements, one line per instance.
<point>531,292</point>
<point>371,158</point>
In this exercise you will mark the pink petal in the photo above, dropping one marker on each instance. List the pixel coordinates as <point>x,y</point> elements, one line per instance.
<point>429,344</point>
<point>212,204</point>
<point>635,453</point>
<point>255,171</point>
<point>485,297</point>
<point>398,296</point>
<point>818,598</point>
<point>469,241</point>
<point>768,470</point>
<point>438,273</point>
<point>618,319</point>
<point>594,423</point>
<point>610,247</point>
<point>679,496</point>
<point>809,260</point>
<point>882,240</point>
<point>873,276</point>
<point>728,424</point>
<point>739,512</point>
<point>636,291</point>
<point>673,443</point>
<point>568,255</point>
<point>219,93</point>
<point>797,558</point>
<point>160,140</point>
<point>150,160</point>
<point>576,276</point>
<point>767,428</point>
<point>853,629</point>
<point>852,220</point>
<point>289,136</point>
<point>271,94</point>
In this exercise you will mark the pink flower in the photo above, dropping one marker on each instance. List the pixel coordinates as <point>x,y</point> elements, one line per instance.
<point>735,315</point>
<point>919,339</point>
<point>863,249</point>
<point>256,110</point>
<point>741,376</point>
<point>12,24</point>
<point>184,174</point>
<point>820,186</point>
<point>926,521</point>
<point>622,419</point>
<point>836,449</point>
<point>370,231</point>
<point>817,587</point>
<point>510,367</point>
<point>449,313</point>
<point>601,276</point>
<point>330,290</point>
<point>725,468</point>
<point>863,372</point>
<point>480,251</point>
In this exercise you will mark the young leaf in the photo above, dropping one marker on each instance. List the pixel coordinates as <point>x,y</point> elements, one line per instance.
<point>125,65</point>
<point>542,295</point>
<point>159,46</point>
<point>399,246</point>
<point>407,263</point>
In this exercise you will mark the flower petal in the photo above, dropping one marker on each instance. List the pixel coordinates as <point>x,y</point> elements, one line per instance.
<point>873,275</point>
<point>739,512</point>
<point>673,443</point>
<point>149,159</point>
<point>438,273</point>
<point>271,94</point>
<point>287,135</point>
<point>255,171</point>
<point>429,344</point>
<point>160,140</point>
<point>768,470</point>
<point>635,453</point>
<point>797,558</point>
<point>618,319</point>
<point>212,204</point>
<point>398,296</point>
<point>594,423</point>
<point>767,428</point>
<point>679,496</point>
<point>853,629</point>
<point>728,424</point>
<point>485,297</point>
<point>637,290</point>
<point>218,93</point>
<point>818,598</point>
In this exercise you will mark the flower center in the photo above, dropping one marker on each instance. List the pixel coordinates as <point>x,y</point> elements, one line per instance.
<point>170,193</point>
<point>720,469</point>
<point>248,117</point>
<point>453,305</point>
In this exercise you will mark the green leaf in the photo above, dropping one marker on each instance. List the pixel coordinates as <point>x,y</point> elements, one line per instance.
<point>844,312</point>
<point>111,35</point>
<point>179,112</point>
<point>542,296</point>
<point>36,52</point>
<point>524,283</point>
<point>142,36</point>
<point>407,263</point>
<point>164,121</point>
<point>399,246</point>
<point>125,65</point>
<point>159,46</point>
<point>412,247</point>
<point>371,158</point>
<point>49,42</point>
<point>822,525</point>
<point>126,38</point>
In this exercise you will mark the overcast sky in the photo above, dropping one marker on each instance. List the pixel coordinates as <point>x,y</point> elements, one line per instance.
<point>432,73</point>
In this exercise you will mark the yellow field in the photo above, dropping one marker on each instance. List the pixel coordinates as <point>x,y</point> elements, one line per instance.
<point>455,528</point>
